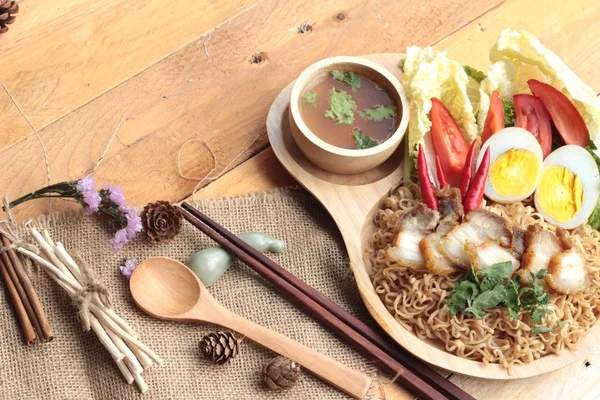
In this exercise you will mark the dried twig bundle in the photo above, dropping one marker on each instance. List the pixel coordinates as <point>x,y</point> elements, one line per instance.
<point>90,297</point>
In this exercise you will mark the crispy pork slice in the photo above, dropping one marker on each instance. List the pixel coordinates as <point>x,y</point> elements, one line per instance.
<point>567,272</point>
<point>453,243</point>
<point>405,250</point>
<point>434,259</point>
<point>420,217</point>
<point>450,204</point>
<point>540,245</point>
<point>414,225</point>
<point>489,253</point>
<point>492,224</point>
<point>517,242</point>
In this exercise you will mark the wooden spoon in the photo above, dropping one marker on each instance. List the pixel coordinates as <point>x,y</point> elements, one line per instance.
<point>167,289</point>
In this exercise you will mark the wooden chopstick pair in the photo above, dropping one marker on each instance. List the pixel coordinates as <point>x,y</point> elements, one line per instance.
<point>408,371</point>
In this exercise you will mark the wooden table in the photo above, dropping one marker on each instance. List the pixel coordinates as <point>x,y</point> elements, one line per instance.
<point>209,70</point>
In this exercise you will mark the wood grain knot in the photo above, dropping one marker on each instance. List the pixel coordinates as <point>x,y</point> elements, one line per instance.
<point>258,57</point>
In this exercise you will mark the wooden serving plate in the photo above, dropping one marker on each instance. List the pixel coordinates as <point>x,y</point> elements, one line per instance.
<point>352,201</point>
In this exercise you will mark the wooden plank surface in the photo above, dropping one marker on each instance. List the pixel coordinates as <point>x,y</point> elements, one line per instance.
<point>61,55</point>
<point>221,98</point>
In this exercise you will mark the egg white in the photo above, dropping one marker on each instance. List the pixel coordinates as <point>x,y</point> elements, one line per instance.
<point>580,162</point>
<point>501,142</point>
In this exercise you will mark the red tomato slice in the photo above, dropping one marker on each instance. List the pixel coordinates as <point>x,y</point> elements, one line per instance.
<point>565,116</point>
<point>531,114</point>
<point>448,142</point>
<point>495,117</point>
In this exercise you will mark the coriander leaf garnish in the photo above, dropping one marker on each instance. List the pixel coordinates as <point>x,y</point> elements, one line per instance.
<point>474,74</point>
<point>461,294</point>
<point>477,291</point>
<point>488,299</point>
<point>540,329</point>
<point>495,274</point>
<point>559,323</point>
<point>363,141</point>
<point>342,107</point>
<point>351,78</point>
<point>378,113</point>
<point>311,99</point>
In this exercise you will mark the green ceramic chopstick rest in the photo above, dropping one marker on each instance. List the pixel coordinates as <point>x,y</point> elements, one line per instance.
<point>209,264</point>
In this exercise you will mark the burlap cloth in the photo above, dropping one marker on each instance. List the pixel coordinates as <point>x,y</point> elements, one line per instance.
<point>76,366</point>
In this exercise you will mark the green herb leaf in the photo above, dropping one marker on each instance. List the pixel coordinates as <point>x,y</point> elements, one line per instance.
<point>311,99</point>
<point>461,295</point>
<point>495,274</point>
<point>559,323</point>
<point>363,141</point>
<point>594,219</point>
<point>475,74</point>
<point>378,113</point>
<point>512,301</point>
<point>351,79</point>
<point>540,329</point>
<point>538,314</point>
<point>485,300</point>
<point>509,113</point>
<point>342,107</point>
<point>514,314</point>
<point>541,273</point>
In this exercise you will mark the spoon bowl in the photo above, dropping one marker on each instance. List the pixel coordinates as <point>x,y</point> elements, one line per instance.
<point>162,278</point>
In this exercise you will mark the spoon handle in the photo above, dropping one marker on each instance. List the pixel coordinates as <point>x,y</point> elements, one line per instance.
<point>352,382</point>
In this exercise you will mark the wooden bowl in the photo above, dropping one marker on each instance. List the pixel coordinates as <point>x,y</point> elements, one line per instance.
<point>352,201</point>
<point>336,159</point>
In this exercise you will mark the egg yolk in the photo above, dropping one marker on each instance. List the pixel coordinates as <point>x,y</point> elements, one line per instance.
<point>560,193</point>
<point>515,172</point>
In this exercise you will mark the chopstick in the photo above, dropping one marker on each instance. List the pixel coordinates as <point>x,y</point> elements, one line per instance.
<point>416,377</point>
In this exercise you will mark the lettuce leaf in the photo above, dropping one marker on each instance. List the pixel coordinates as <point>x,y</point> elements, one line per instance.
<point>429,74</point>
<point>519,56</point>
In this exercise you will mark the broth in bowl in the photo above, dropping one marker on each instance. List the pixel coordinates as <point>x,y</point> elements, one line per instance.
<point>348,110</point>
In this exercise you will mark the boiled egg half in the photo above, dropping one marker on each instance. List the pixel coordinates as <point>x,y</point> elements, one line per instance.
<point>515,165</point>
<point>569,187</point>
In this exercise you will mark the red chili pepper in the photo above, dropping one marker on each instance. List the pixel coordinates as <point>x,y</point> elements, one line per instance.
<point>477,186</point>
<point>465,179</point>
<point>427,191</point>
<point>440,173</point>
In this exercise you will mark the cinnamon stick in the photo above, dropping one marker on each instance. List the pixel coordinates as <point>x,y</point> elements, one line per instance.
<point>45,328</point>
<point>26,326</point>
<point>22,294</point>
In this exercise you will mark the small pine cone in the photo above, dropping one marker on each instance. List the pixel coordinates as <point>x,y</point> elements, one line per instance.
<point>7,9</point>
<point>161,221</point>
<point>220,347</point>
<point>281,373</point>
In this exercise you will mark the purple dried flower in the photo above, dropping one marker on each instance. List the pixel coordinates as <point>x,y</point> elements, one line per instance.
<point>115,194</point>
<point>86,184</point>
<point>128,268</point>
<point>88,194</point>
<point>134,223</point>
<point>119,240</point>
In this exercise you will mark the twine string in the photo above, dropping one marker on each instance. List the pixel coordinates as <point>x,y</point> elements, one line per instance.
<point>112,137</point>
<point>92,287</point>
<point>208,177</point>
<point>39,138</point>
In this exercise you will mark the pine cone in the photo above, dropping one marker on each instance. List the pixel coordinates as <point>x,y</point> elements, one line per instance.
<point>161,221</point>
<point>281,373</point>
<point>220,347</point>
<point>7,9</point>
